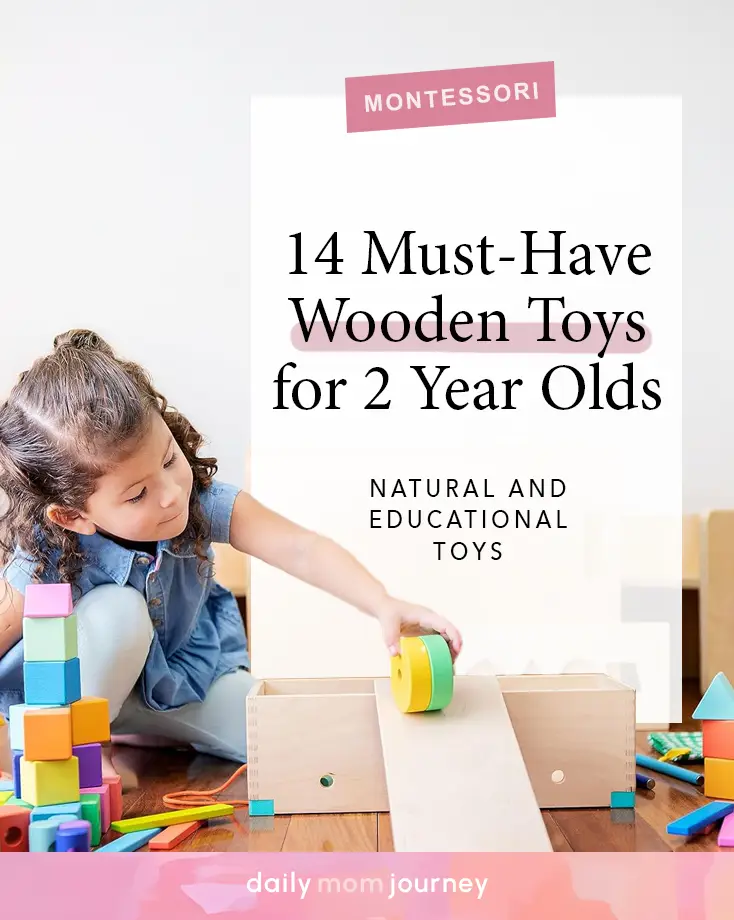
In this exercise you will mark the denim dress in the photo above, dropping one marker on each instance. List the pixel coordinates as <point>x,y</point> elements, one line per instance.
<point>198,630</point>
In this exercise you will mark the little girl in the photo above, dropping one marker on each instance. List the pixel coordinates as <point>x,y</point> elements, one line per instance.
<point>102,487</point>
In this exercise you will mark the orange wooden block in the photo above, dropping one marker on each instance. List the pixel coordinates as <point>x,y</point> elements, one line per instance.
<point>114,784</point>
<point>170,837</point>
<point>47,734</point>
<point>718,740</point>
<point>14,823</point>
<point>90,721</point>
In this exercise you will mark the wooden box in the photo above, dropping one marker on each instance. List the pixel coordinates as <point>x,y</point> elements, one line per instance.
<point>314,744</point>
<point>577,736</point>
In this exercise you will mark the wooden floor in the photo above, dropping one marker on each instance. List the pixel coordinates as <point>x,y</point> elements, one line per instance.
<point>152,773</point>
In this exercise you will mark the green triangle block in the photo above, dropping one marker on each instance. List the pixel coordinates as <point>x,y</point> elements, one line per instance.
<point>717,704</point>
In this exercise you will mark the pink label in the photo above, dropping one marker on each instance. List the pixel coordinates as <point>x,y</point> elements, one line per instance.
<point>509,92</point>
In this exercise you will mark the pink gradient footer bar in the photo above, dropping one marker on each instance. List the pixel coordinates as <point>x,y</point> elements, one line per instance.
<point>369,886</point>
<point>471,95</point>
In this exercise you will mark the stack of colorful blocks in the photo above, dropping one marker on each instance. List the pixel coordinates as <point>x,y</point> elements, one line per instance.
<point>716,712</point>
<point>61,800</point>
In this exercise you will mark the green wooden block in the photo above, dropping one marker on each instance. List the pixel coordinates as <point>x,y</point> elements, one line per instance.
<point>19,803</point>
<point>50,638</point>
<point>92,812</point>
<point>622,800</point>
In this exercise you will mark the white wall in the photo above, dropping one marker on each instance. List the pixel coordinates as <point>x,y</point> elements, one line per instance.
<point>124,168</point>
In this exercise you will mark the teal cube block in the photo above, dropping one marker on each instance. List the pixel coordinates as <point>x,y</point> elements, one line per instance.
<point>52,683</point>
<point>42,834</point>
<point>73,811</point>
<point>50,638</point>
<point>622,800</point>
<point>262,807</point>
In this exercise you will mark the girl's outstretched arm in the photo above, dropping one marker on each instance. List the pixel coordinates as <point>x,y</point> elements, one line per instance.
<point>322,563</point>
<point>11,616</point>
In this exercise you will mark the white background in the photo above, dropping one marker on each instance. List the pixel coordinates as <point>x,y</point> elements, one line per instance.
<point>606,171</point>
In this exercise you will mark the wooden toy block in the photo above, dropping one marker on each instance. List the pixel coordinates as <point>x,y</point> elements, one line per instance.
<point>104,804</point>
<point>6,785</point>
<point>167,818</point>
<point>92,812</point>
<point>717,703</point>
<point>48,601</point>
<point>718,739</point>
<point>74,837</point>
<point>576,733</point>
<point>42,834</point>
<point>261,807</point>
<point>170,838</point>
<point>128,843</point>
<point>15,802</point>
<point>718,778</point>
<point>700,819</point>
<point>49,782</point>
<point>726,833</point>
<point>70,810</point>
<point>622,800</point>
<point>14,829</point>
<point>90,764</point>
<point>50,638</point>
<point>47,733</point>
<point>114,784</point>
<point>57,683</point>
<point>5,795</point>
<point>17,723</point>
<point>90,721</point>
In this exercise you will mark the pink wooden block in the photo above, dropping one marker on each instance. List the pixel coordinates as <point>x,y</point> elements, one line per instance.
<point>726,834</point>
<point>114,784</point>
<point>104,800</point>
<point>48,601</point>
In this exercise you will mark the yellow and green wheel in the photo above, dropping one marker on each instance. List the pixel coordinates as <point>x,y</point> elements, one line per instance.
<point>422,675</point>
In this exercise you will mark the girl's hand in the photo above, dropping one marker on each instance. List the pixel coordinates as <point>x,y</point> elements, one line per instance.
<point>399,618</point>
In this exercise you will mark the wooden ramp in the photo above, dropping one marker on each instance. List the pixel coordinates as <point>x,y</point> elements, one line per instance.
<point>456,780</point>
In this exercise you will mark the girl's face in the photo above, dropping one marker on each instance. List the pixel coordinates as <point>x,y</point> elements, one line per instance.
<point>144,498</point>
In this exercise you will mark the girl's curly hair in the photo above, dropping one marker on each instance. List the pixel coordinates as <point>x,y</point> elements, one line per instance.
<point>67,420</point>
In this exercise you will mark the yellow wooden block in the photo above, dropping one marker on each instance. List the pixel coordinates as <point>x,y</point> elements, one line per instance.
<point>719,778</point>
<point>4,796</point>
<point>49,782</point>
<point>167,818</point>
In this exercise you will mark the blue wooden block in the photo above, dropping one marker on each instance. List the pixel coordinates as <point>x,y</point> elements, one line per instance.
<point>700,819</point>
<point>72,809</point>
<point>717,703</point>
<point>128,843</point>
<point>622,800</point>
<point>16,772</point>
<point>52,683</point>
<point>74,837</point>
<point>7,785</point>
<point>262,807</point>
